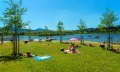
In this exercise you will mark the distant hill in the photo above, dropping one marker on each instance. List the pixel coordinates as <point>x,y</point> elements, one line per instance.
<point>38,29</point>
<point>24,30</point>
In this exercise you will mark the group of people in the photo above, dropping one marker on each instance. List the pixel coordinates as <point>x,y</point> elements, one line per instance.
<point>71,49</point>
<point>28,54</point>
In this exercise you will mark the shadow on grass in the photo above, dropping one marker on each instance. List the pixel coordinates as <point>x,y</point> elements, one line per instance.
<point>9,58</point>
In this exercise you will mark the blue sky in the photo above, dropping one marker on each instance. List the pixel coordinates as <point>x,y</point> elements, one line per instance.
<point>50,12</point>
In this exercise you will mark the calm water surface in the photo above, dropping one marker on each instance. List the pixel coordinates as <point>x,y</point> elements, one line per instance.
<point>87,37</point>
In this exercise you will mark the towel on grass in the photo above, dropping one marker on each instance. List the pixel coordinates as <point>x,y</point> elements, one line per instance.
<point>39,58</point>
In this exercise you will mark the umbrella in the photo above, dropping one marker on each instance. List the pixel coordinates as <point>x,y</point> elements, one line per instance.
<point>74,39</point>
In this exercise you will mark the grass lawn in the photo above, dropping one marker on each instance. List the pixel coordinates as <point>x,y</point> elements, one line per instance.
<point>91,59</point>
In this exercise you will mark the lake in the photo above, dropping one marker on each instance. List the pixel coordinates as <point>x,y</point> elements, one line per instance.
<point>87,37</point>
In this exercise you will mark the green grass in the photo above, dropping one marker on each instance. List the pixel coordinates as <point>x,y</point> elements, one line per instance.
<point>91,59</point>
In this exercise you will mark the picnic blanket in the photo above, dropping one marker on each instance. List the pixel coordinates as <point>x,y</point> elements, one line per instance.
<point>40,58</point>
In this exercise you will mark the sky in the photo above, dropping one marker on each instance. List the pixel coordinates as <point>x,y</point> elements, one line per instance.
<point>43,13</point>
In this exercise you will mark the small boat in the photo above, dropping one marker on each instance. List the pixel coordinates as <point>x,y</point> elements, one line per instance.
<point>89,35</point>
<point>97,37</point>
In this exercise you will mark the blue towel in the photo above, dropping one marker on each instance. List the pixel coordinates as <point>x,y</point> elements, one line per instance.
<point>39,58</point>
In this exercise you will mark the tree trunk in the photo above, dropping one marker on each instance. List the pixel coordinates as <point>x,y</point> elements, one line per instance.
<point>81,39</point>
<point>1,38</point>
<point>29,38</point>
<point>61,39</point>
<point>109,41</point>
<point>39,38</point>
<point>15,42</point>
<point>15,45</point>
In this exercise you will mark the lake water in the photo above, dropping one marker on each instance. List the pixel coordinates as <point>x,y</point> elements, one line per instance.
<point>87,37</point>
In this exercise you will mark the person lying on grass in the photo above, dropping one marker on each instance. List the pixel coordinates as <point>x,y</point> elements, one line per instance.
<point>28,54</point>
<point>71,49</point>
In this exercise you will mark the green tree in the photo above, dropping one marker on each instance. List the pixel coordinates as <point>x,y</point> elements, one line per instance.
<point>60,30</point>
<point>82,27</point>
<point>101,29</point>
<point>5,30</point>
<point>12,17</point>
<point>107,21</point>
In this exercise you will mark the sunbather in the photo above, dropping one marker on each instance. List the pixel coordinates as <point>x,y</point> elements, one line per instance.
<point>28,54</point>
<point>67,51</point>
<point>71,49</point>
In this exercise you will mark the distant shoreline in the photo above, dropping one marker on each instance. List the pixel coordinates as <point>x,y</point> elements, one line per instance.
<point>87,37</point>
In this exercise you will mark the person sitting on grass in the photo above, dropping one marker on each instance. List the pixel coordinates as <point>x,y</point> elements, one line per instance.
<point>29,54</point>
<point>71,49</point>
<point>102,45</point>
<point>25,42</point>
<point>67,51</point>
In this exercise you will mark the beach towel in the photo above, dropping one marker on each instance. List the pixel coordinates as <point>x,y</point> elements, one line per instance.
<point>40,58</point>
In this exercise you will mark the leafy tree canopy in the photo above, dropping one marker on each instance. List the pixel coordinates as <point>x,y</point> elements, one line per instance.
<point>12,15</point>
<point>81,26</point>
